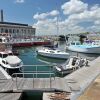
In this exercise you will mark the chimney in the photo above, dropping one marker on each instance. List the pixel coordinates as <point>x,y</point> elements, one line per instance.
<point>1,15</point>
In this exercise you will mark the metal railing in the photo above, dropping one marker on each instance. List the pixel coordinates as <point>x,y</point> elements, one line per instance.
<point>34,74</point>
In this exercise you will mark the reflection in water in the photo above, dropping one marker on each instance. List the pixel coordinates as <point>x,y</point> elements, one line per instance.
<point>50,60</point>
<point>30,57</point>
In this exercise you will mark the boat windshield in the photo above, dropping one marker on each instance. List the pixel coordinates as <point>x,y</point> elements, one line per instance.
<point>77,43</point>
<point>52,52</point>
<point>4,55</point>
<point>72,43</point>
<point>67,62</point>
<point>10,54</point>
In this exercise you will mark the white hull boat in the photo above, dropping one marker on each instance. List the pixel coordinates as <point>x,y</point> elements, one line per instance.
<point>85,47</point>
<point>9,62</point>
<point>53,53</point>
<point>95,49</point>
<point>70,65</point>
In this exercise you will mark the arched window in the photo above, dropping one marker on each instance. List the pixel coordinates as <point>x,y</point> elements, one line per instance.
<point>17,31</point>
<point>10,30</point>
<point>6,30</point>
<point>13,30</point>
<point>2,30</point>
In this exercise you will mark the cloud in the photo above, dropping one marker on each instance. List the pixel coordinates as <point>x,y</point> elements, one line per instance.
<point>54,13</point>
<point>78,17</point>
<point>45,15</point>
<point>46,26</point>
<point>74,6</point>
<point>19,1</point>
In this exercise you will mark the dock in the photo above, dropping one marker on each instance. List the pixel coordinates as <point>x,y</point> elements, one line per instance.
<point>75,83</point>
<point>5,87</point>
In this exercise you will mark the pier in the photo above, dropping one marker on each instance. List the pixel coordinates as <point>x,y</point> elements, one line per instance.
<point>75,83</point>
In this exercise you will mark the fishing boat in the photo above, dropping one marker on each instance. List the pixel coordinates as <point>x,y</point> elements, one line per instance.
<point>86,47</point>
<point>53,53</point>
<point>70,65</point>
<point>28,42</point>
<point>23,42</point>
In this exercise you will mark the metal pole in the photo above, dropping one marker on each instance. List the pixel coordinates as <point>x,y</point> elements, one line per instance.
<point>16,82</point>
<point>36,71</point>
<point>33,80</point>
<point>23,72</point>
<point>50,76</point>
<point>77,54</point>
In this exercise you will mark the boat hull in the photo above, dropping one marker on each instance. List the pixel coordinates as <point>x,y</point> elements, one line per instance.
<point>64,72</point>
<point>51,55</point>
<point>11,71</point>
<point>95,50</point>
<point>29,44</point>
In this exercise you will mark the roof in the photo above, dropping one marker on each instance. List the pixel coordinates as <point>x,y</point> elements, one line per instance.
<point>11,23</point>
<point>13,59</point>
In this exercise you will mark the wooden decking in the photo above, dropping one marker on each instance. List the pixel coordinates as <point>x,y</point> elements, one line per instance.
<point>34,84</point>
<point>5,86</point>
<point>76,83</point>
<point>10,96</point>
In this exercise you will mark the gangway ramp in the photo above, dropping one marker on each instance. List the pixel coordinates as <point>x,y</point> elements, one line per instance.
<point>42,84</point>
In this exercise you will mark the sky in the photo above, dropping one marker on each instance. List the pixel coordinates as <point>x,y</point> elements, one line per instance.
<point>54,17</point>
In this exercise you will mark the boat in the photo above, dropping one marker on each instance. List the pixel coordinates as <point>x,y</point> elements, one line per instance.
<point>28,42</point>
<point>72,64</point>
<point>6,45</point>
<point>52,45</point>
<point>10,63</point>
<point>86,47</point>
<point>53,53</point>
<point>23,42</point>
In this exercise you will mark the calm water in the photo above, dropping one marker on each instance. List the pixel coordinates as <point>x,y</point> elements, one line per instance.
<point>30,57</point>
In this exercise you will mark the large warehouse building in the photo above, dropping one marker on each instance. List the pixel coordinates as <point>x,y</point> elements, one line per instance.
<point>15,29</point>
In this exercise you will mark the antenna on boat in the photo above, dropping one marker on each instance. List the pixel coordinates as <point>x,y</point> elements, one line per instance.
<point>77,54</point>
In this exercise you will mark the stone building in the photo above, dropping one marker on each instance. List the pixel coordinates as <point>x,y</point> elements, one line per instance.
<point>15,29</point>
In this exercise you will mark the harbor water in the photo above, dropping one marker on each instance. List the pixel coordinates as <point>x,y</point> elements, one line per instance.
<point>29,57</point>
<point>39,63</point>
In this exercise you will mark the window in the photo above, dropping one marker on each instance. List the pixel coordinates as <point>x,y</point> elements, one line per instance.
<point>2,30</point>
<point>13,31</point>
<point>1,55</point>
<point>3,61</point>
<point>6,30</point>
<point>77,43</point>
<point>5,55</point>
<point>0,40</point>
<point>10,53</point>
<point>17,31</point>
<point>51,52</point>
<point>10,30</point>
<point>72,43</point>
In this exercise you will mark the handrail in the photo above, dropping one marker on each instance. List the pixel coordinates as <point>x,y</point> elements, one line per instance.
<point>36,68</point>
<point>33,74</point>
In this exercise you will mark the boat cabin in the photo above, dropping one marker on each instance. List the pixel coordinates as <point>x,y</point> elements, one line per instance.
<point>5,54</point>
<point>3,39</point>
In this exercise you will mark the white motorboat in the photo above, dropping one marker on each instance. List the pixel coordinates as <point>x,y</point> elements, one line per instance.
<point>10,62</point>
<point>53,53</point>
<point>86,47</point>
<point>71,65</point>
